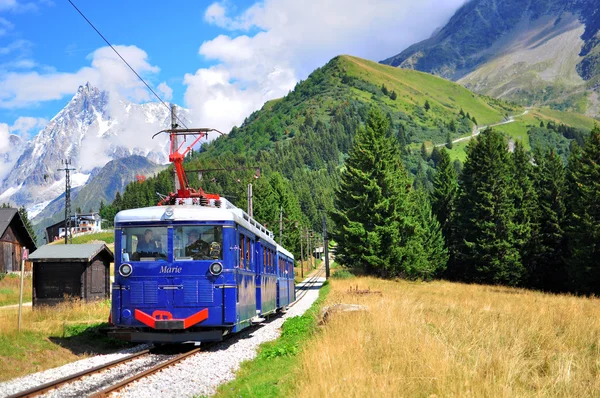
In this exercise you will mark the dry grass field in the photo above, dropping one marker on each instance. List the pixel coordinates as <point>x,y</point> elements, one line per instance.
<point>454,340</point>
<point>49,336</point>
<point>10,287</point>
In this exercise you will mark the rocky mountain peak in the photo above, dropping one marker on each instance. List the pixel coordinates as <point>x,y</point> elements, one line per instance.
<point>517,50</point>
<point>90,133</point>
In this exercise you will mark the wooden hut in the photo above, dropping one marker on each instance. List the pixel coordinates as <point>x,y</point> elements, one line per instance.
<point>14,237</point>
<point>77,271</point>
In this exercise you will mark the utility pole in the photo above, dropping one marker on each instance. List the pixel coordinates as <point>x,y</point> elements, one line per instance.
<point>280,225</point>
<point>67,169</point>
<point>326,247</point>
<point>310,253</point>
<point>174,125</point>
<point>250,209</point>
<point>307,247</point>
<point>301,256</point>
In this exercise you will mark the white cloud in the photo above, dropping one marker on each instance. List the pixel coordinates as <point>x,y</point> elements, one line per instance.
<point>21,6</point>
<point>165,91</point>
<point>116,77</point>
<point>26,126</point>
<point>4,135</point>
<point>293,38</point>
<point>5,26</point>
<point>215,14</point>
<point>8,4</point>
<point>107,71</point>
<point>21,46</point>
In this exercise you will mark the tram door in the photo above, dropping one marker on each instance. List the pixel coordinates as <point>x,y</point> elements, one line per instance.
<point>246,283</point>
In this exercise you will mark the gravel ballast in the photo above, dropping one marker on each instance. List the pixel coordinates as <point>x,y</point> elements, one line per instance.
<point>200,374</point>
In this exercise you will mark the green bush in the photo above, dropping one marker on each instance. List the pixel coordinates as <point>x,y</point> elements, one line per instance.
<point>343,274</point>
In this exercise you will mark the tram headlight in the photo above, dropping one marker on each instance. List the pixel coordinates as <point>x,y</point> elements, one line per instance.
<point>125,270</point>
<point>216,268</point>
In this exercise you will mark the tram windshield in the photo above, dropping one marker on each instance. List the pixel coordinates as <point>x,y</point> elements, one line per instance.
<point>198,242</point>
<point>144,243</point>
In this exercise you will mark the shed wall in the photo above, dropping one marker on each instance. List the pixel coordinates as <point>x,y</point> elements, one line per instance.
<point>52,281</point>
<point>97,275</point>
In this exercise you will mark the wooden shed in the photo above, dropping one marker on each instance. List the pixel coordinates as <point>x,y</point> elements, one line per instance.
<point>14,237</point>
<point>78,271</point>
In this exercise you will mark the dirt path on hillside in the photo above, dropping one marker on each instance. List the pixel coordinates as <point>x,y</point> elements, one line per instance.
<point>478,129</point>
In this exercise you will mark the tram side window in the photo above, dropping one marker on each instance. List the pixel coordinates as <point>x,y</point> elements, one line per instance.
<point>248,245</point>
<point>144,243</point>
<point>198,242</point>
<point>242,250</point>
<point>264,260</point>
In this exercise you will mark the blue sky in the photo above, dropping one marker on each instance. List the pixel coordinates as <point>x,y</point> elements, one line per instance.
<point>222,60</point>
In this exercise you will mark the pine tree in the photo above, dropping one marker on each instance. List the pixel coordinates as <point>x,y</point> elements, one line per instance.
<point>27,222</point>
<point>525,203</point>
<point>393,96</point>
<point>486,252</point>
<point>584,215</point>
<point>435,156</point>
<point>384,89</point>
<point>449,144</point>
<point>546,269</point>
<point>474,120</point>
<point>421,180</point>
<point>445,194</point>
<point>428,254</point>
<point>372,215</point>
<point>424,153</point>
<point>265,203</point>
<point>427,106</point>
<point>403,140</point>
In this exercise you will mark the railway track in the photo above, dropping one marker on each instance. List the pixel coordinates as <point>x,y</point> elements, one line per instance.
<point>304,288</point>
<point>53,385</point>
<point>122,384</point>
<point>43,388</point>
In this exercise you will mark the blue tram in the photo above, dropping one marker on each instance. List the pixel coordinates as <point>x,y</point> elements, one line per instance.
<point>195,271</point>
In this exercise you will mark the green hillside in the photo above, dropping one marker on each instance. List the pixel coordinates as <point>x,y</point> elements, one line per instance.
<point>300,141</point>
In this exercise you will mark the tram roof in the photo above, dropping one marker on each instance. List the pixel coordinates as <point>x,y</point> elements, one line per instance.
<point>196,213</point>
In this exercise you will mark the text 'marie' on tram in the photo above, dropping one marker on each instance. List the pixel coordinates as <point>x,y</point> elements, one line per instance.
<point>194,267</point>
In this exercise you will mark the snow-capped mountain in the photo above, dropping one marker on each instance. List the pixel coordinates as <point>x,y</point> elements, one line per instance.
<point>91,130</point>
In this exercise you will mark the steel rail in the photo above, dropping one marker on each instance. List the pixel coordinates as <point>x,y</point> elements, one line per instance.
<point>308,285</point>
<point>120,385</point>
<point>34,391</point>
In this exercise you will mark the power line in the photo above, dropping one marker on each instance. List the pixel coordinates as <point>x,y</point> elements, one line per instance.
<point>68,233</point>
<point>133,70</point>
<point>123,59</point>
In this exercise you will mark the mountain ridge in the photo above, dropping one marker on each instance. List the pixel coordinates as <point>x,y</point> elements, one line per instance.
<point>92,129</point>
<point>496,48</point>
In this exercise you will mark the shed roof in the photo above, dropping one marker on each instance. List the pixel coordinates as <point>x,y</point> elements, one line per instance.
<point>83,252</point>
<point>11,215</point>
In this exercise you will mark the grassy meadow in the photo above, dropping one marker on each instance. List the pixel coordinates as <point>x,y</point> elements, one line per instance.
<point>10,287</point>
<point>448,339</point>
<point>51,336</point>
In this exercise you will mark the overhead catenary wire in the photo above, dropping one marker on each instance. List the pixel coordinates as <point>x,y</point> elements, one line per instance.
<point>126,63</point>
<point>130,67</point>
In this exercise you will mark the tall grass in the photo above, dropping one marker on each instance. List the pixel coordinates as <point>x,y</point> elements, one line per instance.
<point>35,347</point>
<point>448,339</point>
<point>10,288</point>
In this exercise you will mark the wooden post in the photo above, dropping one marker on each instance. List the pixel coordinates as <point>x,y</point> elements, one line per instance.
<point>301,256</point>
<point>25,256</point>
